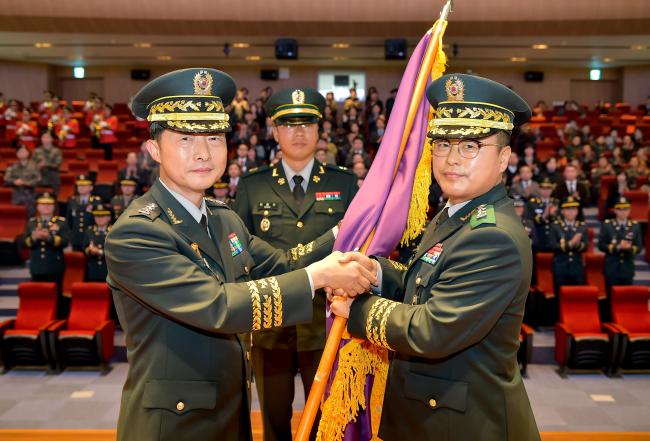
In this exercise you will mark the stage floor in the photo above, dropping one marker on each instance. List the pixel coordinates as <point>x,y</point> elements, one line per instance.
<point>87,400</point>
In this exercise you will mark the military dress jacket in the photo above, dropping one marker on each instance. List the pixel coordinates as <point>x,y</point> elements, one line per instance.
<point>568,258</point>
<point>46,256</point>
<point>80,218</point>
<point>620,263</point>
<point>183,298</point>
<point>96,270</point>
<point>267,206</point>
<point>453,318</point>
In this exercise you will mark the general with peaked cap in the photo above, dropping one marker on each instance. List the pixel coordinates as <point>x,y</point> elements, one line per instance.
<point>189,280</point>
<point>453,315</point>
<point>46,235</point>
<point>569,239</point>
<point>620,238</point>
<point>290,204</point>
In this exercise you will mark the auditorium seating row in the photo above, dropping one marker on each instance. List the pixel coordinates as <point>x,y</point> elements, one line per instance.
<point>36,338</point>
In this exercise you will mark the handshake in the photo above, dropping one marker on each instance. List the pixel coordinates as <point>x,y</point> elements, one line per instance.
<point>344,276</point>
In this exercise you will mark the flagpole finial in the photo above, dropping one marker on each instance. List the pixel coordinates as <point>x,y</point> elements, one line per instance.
<point>448,8</point>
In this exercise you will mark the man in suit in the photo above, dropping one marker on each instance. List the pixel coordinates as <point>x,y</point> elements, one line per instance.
<point>453,315</point>
<point>290,204</point>
<point>524,186</point>
<point>189,280</point>
<point>242,159</point>
<point>570,186</point>
<point>133,172</point>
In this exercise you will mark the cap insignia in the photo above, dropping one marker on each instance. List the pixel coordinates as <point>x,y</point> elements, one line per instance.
<point>455,89</point>
<point>298,97</point>
<point>203,83</point>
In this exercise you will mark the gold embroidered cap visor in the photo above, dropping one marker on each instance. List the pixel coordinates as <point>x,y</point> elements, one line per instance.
<point>296,106</point>
<point>45,198</point>
<point>188,100</point>
<point>468,106</point>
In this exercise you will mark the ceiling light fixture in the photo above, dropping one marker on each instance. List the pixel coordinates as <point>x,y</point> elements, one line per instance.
<point>341,45</point>
<point>540,46</point>
<point>42,45</point>
<point>164,57</point>
<point>142,45</point>
<point>253,58</point>
<point>241,45</point>
<point>638,47</point>
<point>518,59</point>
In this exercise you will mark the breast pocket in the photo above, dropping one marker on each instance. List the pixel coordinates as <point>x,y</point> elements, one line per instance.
<point>243,263</point>
<point>422,291</point>
<point>267,220</point>
<point>335,209</point>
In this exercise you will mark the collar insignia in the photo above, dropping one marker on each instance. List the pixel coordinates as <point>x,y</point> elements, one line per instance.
<point>173,217</point>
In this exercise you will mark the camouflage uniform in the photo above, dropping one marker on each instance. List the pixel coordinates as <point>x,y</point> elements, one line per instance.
<point>51,158</point>
<point>23,194</point>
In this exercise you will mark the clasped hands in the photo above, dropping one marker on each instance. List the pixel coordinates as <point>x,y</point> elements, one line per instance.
<point>344,276</point>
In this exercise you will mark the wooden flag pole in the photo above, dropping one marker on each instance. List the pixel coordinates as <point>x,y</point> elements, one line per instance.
<point>321,378</point>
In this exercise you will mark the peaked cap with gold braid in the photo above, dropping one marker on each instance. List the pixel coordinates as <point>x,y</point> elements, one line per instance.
<point>296,106</point>
<point>187,100</point>
<point>469,106</point>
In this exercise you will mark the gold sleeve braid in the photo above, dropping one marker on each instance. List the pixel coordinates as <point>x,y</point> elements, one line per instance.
<point>266,300</point>
<point>398,266</point>
<point>377,322</point>
<point>301,250</point>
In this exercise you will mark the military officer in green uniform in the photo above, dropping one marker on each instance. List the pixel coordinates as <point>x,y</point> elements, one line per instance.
<point>78,211</point>
<point>94,243</point>
<point>568,242</point>
<point>453,315</point>
<point>289,204</point>
<point>188,279</point>
<point>121,201</point>
<point>46,235</point>
<point>620,239</point>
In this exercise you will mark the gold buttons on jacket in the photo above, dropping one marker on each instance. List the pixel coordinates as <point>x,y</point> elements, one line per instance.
<point>248,355</point>
<point>330,210</point>
<point>433,403</point>
<point>300,224</point>
<point>180,406</point>
<point>418,280</point>
<point>246,270</point>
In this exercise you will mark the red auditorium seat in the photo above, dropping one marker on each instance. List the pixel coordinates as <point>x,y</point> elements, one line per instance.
<point>86,338</point>
<point>594,263</point>
<point>75,270</point>
<point>5,196</point>
<point>545,149</point>
<point>590,240</point>
<point>605,183</point>
<point>67,187</point>
<point>14,218</point>
<point>120,155</point>
<point>548,131</point>
<point>93,155</point>
<point>639,201</point>
<point>631,316</point>
<point>24,339</point>
<point>106,172</point>
<point>78,167</point>
<point>544,269</point>
<point>581,340</point>
<point>525,352</point>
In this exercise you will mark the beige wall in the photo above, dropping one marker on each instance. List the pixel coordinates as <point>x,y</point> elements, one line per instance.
<point>27,81</point>
<point>24,81</point>
<point>636,84</point>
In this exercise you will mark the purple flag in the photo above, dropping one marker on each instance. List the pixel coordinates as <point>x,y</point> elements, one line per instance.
<point>383,203</point>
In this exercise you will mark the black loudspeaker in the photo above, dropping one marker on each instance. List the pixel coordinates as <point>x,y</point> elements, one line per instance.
<point>269,74</point>
<point>395,49</point>
<point>140,74</point>
<point>342,80</point>
<point>534,76</point>
<point>286,49</point>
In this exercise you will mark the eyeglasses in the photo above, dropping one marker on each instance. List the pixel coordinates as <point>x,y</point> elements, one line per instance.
<point>294,127</point>
<point>468,149</point>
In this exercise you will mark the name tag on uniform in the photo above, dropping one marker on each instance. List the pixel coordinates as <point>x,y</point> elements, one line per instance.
<point>433,254</point>
<point>235,245</point>
<point>328,196</point>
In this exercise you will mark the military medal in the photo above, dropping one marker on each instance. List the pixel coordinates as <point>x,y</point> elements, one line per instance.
<point>235,245</point>
<point>433,254</point>
<point>265,225</point>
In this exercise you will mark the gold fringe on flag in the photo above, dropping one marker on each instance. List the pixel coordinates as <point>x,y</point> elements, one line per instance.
<point>357,360</point>
<point>417,217</point>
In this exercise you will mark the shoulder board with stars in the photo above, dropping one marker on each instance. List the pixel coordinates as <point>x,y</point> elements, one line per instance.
<point>337,168</point>
<point>483,215</point>
<point>150,210</point>
<point>633,222</point>
<point>215,203</point>
<point>58,219</point>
